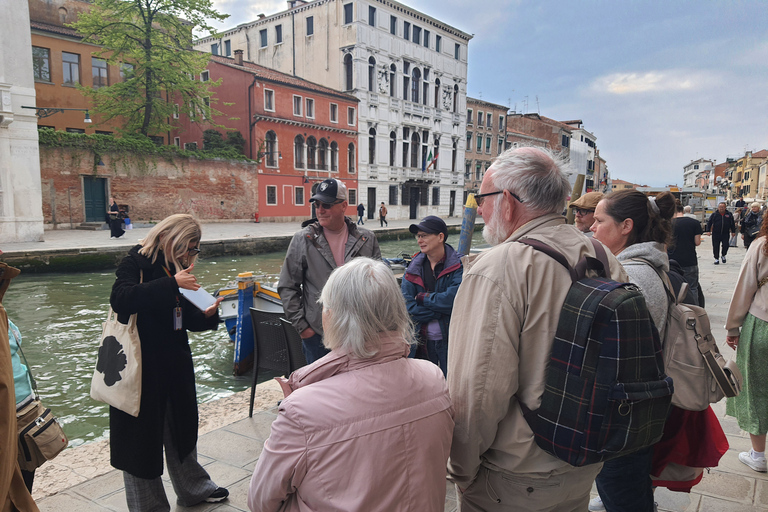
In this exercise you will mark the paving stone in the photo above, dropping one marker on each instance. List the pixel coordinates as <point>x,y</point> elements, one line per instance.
<point>238,495</point>
<point>669,501</point>
<point>225,475</point>
<point>70,502</point>
<point>101,486</point>
<point>728,486</point>
<point>711,504</point>
<point>229,447</point>
<point>257,427</point>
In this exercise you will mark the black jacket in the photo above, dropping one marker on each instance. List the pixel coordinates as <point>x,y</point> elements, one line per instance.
<point>168,377</point>
<point>721,225</point>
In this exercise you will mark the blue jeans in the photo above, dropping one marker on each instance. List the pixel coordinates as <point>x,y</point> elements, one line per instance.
<point>313,348</point>
<point>437,352</point>
<point>625,484</point>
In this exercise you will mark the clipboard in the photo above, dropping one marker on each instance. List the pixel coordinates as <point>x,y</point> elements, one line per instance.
<point>200,298</point>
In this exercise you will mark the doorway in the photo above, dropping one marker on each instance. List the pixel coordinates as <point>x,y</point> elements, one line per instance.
<point>415,198</point>
<point>95,198</point>
<point>371,202</point>
<point>452,205</point>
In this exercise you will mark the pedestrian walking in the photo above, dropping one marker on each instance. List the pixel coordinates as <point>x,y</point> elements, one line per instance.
<point>148,282</point>
<point>360,213</point>
<point>750,224</point>
<point>115,219</point>
<point>383,215</point>
<point>720,225</point>
<point>747,326</point>
<point>686,236</point>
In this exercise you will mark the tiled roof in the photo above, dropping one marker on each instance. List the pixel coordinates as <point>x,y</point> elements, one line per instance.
<point>271,75</point>
<point>761,154</point>
<point>45,27</point>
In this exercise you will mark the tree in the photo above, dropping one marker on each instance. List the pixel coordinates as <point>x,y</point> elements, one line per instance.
<point>151,41</point>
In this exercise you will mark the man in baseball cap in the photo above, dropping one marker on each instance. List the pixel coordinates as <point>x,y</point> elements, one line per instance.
<point>324,243</point>
<point>584,211</point>
<point>429,286</point>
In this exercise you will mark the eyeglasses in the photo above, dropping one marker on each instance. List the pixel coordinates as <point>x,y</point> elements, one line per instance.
<point>581,211</point>
<point>193,251</point>
<point>326,206</point>
<point>480,198</point>
<point>421,236</point>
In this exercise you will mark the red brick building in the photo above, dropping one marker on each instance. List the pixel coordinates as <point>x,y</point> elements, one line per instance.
<point>539,127</point>
<point>299,132</point>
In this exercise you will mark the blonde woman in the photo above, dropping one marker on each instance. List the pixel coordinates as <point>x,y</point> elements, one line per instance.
<point>148,283</point>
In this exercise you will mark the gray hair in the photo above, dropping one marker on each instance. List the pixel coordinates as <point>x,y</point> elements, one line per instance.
<point>687,208</point>
<point>754,204</point>
<point>535,174</point>
<point>360,301</point>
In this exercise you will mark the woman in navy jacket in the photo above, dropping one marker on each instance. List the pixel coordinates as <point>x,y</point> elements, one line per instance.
<point>429,286</point>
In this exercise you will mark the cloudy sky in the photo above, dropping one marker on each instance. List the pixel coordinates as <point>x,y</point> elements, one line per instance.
<point>659,83</point>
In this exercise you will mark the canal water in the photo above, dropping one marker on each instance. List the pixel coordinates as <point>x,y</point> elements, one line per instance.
<point>60,318</point>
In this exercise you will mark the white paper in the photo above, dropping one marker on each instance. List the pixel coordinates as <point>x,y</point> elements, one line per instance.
<point>200,298</point>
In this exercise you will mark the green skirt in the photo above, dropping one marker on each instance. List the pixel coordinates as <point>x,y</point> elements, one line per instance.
<point>750,408</point>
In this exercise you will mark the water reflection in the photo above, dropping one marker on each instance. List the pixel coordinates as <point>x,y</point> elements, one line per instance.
<point>60,318</point>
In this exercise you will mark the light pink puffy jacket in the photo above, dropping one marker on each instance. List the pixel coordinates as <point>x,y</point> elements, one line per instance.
<point>358,435</point>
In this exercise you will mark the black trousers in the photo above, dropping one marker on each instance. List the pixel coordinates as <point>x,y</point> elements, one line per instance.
<point>717,242</point>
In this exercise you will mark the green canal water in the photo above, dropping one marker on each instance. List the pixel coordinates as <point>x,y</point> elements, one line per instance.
<point>60,317</point>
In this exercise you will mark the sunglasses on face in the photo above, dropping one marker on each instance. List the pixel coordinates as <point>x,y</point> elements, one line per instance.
<point>581,211</point>
<point>327,206</point>
<point>193,251</point>
<point>480,198</point>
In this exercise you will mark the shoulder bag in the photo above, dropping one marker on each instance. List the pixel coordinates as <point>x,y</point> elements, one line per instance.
<point>41,437</point>
<point>117,377</point>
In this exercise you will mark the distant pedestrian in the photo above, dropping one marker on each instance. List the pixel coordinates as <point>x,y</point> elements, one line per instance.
<point>115,221</point>
<point>720,225</point>
<point>360,213</point>
<point>584,211</point>
<point>383,215</point>
<point>686,236</point>
<point>747,326</point>
<point>750,224</point>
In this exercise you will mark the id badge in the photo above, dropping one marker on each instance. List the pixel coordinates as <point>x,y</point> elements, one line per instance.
<point>177,318</point>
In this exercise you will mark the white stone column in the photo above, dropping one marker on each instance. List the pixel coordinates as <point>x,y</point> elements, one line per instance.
<point>21,203</point>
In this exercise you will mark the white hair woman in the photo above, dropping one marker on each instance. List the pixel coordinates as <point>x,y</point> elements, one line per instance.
<point>750,224</point>
<point>354,420</point>
<point>148,283</point>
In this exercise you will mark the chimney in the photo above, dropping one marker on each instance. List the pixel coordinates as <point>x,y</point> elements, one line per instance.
<point>239,57</point>
<point>261,16</point>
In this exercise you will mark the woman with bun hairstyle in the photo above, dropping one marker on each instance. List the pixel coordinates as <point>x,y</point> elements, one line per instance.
<point>636,229</point>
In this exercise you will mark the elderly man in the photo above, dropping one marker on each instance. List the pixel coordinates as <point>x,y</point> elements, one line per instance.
<point>322,245</point>
<point>429,286</point>
<point>720,225</point>
<point>504,320</point>
<point>584,211</point>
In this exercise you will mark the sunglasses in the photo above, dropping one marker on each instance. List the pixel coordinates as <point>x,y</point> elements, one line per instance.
<point>327,206</point>
<point>480,198</point>
<point>582,211</point>
<point>193,251</point>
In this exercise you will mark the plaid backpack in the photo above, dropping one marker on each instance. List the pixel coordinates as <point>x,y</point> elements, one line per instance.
<point>606,393</point>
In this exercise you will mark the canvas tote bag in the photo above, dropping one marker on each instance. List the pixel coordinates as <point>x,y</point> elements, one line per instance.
<point>117,377</point>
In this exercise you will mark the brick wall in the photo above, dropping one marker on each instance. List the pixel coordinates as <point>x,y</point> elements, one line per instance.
<point>152,188</point>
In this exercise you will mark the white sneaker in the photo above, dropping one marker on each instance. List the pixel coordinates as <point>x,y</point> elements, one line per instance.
<point>758,465</point>
<point>596,504</point>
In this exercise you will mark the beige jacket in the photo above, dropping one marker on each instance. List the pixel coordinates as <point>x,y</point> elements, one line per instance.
<point>747,297</point>
<point>504,320</point>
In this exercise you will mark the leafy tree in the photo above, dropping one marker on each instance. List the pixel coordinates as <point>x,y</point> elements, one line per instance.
<point>236,140</point>
<point>151,40</point>
<point>212,139</point>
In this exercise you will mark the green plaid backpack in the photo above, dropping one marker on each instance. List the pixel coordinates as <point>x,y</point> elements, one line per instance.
<point>606,392</point>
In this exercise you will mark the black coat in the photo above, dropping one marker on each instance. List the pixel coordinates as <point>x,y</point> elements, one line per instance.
<point>168,377</point>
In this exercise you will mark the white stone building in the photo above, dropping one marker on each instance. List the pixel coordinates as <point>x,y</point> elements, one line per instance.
<point>692,170</point>
<point>409,72</point>
<point>21,203</point>
<point>582,156</point>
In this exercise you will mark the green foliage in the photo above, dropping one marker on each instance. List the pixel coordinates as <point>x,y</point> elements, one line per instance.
<point>151,40</point>
<point>134,145</point>
<point>212,139</point>
<point>236,140</point>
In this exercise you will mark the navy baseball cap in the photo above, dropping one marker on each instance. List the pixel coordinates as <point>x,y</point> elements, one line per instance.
<point>430,224</point>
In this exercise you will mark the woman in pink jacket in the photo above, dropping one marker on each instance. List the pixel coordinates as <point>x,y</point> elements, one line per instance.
<point>363,428</point>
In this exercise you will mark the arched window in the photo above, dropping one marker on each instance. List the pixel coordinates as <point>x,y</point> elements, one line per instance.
<point>298,152</point>
<point>392,73</point>
<point>415,84</point>
<point>425,88</point>
<point>437,93</point>
<point>322,155</point>
<point>454,152</point>
<point>455,98</point>
<point>372,146</point>
<point>351,158</point>
<point>270,149</point>
<point>334,157</point>
<point>371,74</point>
<point>348,72</point>
<point>415,143</point>
<point>392,148</point>
<point>311,153</point>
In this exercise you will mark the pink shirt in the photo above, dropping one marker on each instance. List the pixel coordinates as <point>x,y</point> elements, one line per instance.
<point>337,240</point>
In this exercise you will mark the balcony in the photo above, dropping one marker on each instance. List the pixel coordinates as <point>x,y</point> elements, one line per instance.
<point>414,173</point>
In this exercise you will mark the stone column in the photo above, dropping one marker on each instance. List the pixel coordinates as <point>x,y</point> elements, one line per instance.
<point>21,203</point>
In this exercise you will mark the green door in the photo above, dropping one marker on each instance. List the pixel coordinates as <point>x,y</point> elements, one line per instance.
<point>95,197</point>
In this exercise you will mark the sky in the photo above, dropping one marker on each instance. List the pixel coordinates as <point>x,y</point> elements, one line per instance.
<point>659,83</point>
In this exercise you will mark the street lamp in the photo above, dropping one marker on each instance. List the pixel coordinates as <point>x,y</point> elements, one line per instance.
<point>49,111</point>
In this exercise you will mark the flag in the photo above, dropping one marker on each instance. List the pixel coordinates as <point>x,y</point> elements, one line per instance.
<point>424,162</point>
<point>432,161</point>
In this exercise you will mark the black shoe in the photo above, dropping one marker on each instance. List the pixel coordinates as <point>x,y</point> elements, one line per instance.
<point>723,258</point>
<point>717,262</point>
<point>218,495</point>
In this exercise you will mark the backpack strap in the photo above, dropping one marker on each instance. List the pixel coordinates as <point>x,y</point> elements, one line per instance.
<point>599,264</point>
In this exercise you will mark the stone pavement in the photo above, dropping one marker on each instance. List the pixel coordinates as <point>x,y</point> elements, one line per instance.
<point>230,451</point>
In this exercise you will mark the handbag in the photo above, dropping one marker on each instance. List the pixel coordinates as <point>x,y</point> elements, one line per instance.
<point>41,436</point>
<point>754,231</point>
<point>117,378</point>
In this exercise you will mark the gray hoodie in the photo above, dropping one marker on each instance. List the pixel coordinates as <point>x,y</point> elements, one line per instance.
<point>646,278</point>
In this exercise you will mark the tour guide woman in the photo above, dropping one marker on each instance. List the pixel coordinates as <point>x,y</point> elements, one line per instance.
<point>168,413</point>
